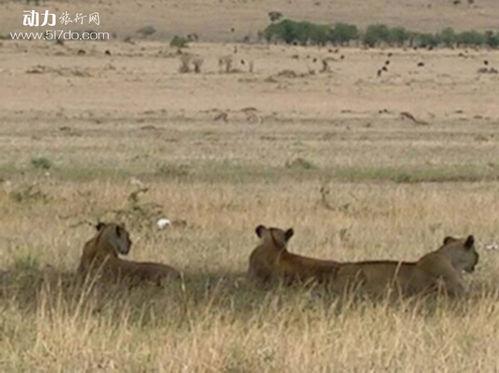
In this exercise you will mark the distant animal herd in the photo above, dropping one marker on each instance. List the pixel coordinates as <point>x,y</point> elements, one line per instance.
<point>271,263</point>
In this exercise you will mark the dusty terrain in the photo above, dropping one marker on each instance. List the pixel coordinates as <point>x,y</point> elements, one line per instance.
<point>333,154</point>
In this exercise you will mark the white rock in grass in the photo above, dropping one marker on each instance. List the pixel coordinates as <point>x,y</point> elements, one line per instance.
<point>492,246</point>
<point>163,223</point>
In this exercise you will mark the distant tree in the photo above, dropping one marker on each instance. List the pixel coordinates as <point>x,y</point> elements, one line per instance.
<point>470,38</point>
<point>398,36</point>
<point>376,34</point>
<point>342,33</point>
<point>426,39</point>
<point>448,37</point>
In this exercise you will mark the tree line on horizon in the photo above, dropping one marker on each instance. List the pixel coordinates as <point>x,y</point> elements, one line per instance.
<point>341,34</point>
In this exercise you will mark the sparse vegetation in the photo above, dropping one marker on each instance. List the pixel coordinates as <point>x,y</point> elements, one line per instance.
<point>179,42</point>
<point>146,30</point>
<point>29,193</point>
<point>41,163</point>
<point>300,164</point>
<point>173,171</point>
<point>137,213</point>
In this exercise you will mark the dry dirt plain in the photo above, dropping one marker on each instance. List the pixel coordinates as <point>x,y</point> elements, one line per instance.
<point>328,153</point>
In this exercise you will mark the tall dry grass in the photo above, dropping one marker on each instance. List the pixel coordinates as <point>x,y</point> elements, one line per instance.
<point>223,181</point>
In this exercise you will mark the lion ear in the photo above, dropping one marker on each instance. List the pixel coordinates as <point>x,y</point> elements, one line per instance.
<point>259,230</point>
<point>449,239</point>
<point>289,233</point>
<point>99,226</point>
<point>470,241</point>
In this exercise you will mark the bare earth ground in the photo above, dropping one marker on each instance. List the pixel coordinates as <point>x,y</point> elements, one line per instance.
<point>224,153</point>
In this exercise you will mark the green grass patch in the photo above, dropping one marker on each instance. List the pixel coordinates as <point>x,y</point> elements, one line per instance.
<point>234,172</point>
<point>401,175</point>
<point>41,163</point>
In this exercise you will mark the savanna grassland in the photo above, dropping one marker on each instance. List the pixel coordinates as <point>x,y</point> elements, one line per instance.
<point>361,166</point>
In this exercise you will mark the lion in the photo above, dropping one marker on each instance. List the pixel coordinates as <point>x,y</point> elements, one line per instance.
<point>101,253</point>
<point>439,269</point>
<point>272,261</point>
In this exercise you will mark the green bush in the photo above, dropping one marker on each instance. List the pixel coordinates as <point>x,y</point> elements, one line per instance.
<point>470,38</point>
<point>283,31</point>
<point>342,33</point>
<point>179,42</point>
<point>318,34</point>
<point>300,164</point>
<point>426,40</point>
<point>41,163</point>
<point>398,36</point>
<point>376,34</point>
<point>447,37</point>
<point>297,32</point>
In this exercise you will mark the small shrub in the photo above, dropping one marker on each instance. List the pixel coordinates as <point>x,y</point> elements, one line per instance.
<point>41,163</point>
<point>136,212</point>
<point>26,263</point>
<point>300,164</point>
<point>29,194</point>
<point>146,30</point>
<point>179,42</point>
<point>173,171</point>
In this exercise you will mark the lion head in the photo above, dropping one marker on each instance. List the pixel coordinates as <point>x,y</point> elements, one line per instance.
<point>274,237</point>
<point>461,252</point>
<point>115,235</point>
